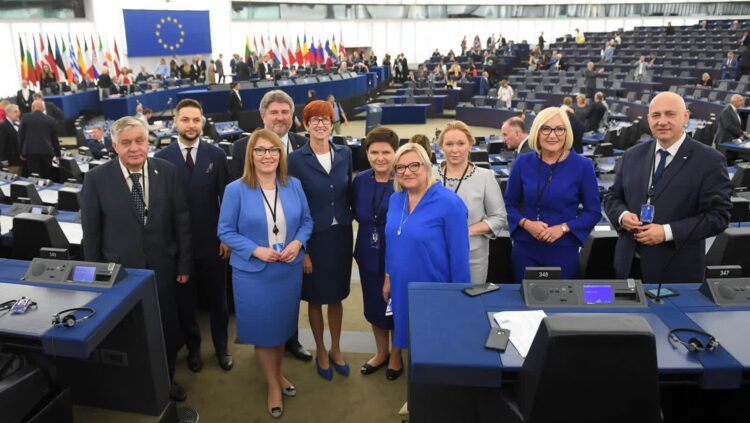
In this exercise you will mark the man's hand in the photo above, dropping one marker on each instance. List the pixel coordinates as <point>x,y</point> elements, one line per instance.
<point>650,234</point>
<point>631,223</point>
<point>183,278</point>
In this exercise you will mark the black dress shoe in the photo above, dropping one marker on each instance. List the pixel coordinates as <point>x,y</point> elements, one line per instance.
<point>298,351</point>
<point>225,360</point>
<point>367,369</point>
<point>391,374</point>
<point>194,361</point>
<point>177,392</point>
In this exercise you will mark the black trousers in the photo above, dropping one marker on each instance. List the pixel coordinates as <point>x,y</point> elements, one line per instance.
<point>208,278</point>
<point>41,164</point>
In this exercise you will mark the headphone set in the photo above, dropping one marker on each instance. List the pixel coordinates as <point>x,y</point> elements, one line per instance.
<point>69,320</point>
<point>694,344</point>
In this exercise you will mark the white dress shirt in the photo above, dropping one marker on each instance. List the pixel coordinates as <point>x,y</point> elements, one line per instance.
<point>193,152</point>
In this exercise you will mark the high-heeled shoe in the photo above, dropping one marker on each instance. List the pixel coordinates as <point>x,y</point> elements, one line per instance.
<point>368,369</point>
<point>276,412</point>
<point>342,369</point>
<point>326,374</point>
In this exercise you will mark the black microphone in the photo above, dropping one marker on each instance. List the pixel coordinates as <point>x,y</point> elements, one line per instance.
<point>715,200</point>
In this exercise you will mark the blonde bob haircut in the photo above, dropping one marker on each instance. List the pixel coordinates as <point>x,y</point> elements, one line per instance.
<point>543,117</point>
<point>249,176</point>
<point>424,158</point>
<point>456,125</point>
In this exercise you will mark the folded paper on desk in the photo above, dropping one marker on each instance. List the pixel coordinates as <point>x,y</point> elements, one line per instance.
<point>522,325</point>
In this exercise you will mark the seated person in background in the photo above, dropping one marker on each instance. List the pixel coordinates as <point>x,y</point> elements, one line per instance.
<point>553,59</point>
<point>143,75</point>
<point>654,60</point>
<point>86,83</point>
<point>729,67</point>
<point>705,81</point>
<point>162,70</point>
<point>100,145</point>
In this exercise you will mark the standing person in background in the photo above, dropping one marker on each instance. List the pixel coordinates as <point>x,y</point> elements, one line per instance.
<point>10,157</point>
<point>590,76</point>
<point>479,191</point>
<point>541,41</point>
<point>162,70</point>
<point>25,97</point>
<point>424,141</point>
<point>515,137</point>
<point>212,72</point>
<point>266,222</point>
<point>371,192</point>
<point>580,39</point>
<point>204,172</point>
<point>543,196</point>
<point>235,101</point>
<point>505,93</point>
<point>325,170</point>
<point>338,113</point>
<point>38,140</point>
<point>219,64</point>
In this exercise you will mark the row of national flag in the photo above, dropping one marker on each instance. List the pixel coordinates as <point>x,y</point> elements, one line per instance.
<point>81,55</point>
<point>302,54</point>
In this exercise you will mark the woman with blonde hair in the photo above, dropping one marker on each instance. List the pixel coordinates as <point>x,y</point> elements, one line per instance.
<point>505,93</point>
<point>265,221</point>
<point>543,196</point>
<point>479,191</point>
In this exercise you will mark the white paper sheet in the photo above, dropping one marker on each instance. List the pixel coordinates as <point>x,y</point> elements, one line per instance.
<point>6,223</point>
<point>72,231</point>
<point>522,325</point>
<point>6,189</point>
<point>48,196</point>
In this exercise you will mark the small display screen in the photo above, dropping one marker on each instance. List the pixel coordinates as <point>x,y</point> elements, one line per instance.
<point>36,210</point>
<point>84,274</point>
<point>597,294</point>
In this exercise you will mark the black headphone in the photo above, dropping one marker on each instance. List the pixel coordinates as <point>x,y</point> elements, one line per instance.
<point>694,344</point>
<point>69,320</point>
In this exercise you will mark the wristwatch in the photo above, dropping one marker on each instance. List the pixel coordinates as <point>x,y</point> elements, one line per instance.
<point>564,228</point>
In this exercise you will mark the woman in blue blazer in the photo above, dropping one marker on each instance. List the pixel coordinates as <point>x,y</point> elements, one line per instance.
<point>266,222</point>
<point>325,170</point>
<point>543,195</point>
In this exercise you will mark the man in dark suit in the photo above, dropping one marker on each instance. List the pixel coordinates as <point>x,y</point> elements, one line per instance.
<point>277,112</point>
<point>25,97</point>
<point>204,173</point>
<point>541,41</point>
<point>590,76</point>
<point>38,140</point>
<point>134,213</point>
<point>730,123</point>
<point>235,102</point>
<point>484,83</point>
<point>242,70</point>
<point>264,68</point>
<point>220,69</point>
<point>577,126</point>
<point>10,157</point>
<point>729,67</point>
<point>686,183</point>
<point>50,109</point>
<point>596,115</point>
<point>100,145</point>
<point>515,136</point>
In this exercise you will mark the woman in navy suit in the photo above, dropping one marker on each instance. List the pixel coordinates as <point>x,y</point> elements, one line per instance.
<point>372,190</point>
<point>543,195</point>
<point>265,220</point>
<point>325,170</point>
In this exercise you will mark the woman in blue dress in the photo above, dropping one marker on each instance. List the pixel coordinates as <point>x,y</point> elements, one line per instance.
<point>372,189</point>
<point>427,236</point>
<point>543,195</point>
<point>265,220</point>
<point>325,170</point>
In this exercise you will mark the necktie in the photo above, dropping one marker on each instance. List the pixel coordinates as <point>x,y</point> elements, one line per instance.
<point>660,167</point>
<point>137,194</point>
<point>189,160</point>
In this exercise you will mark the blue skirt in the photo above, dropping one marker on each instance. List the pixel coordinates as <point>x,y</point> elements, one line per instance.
<point>372,298</point>
<point>267,303</point>
<point>331,255</point>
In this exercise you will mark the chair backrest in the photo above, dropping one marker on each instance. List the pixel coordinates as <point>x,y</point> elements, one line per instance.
<point>730,247</point>
<point>492,92</point>
<point>411,100</point>
<point>69,169</point>
<point>597,255</point>
<point>584,365</point>
<point>34,231</point>
<point>24,189</point>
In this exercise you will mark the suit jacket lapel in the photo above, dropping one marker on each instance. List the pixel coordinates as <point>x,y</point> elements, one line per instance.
<point>674,167</point>
<point>203,161</point>
<point>176,157</point>
<point>645,174</point>
<point>312,160</point>
<point>154,188</point>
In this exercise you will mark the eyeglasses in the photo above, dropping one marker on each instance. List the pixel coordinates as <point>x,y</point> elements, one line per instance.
<point>318,120</point>
<point>546,130</point>
<point>260,151</point>
<point>413,167</point>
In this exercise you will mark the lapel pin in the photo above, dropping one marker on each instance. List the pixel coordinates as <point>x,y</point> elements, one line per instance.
<point>156,172</point>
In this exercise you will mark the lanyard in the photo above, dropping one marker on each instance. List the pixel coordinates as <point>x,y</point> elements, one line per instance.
<point>376,204</point>
<point>272,209</point>
<point>143,189</point>
<point>445,177</point>
<point>540,190</point>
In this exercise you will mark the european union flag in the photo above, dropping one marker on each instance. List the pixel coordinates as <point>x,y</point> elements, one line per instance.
<point>167,32</point>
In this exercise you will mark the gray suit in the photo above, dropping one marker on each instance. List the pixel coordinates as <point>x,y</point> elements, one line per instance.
<point>113,232</point>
